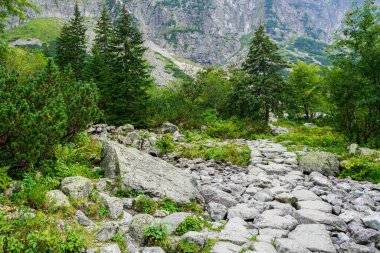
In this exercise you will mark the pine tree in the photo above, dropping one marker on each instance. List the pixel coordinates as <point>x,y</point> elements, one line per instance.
<point>131,74</point>
<point>263,65</point>
<point>99,68</point>
<point>71,45</point>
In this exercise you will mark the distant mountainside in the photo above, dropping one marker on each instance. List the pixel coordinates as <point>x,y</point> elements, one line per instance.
<point>184,33</point>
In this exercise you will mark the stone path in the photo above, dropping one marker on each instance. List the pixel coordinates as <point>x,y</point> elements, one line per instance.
<point>272,207</point>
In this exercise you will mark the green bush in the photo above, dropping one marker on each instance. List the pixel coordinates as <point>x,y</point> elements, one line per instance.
<point>184,246</point>
<point>74,158</point>
<point>38,234</point>
<point>189,224</point>
<point>168,205</point>
<point>5,180</point>
<point>166,144</point>
<point>157,235</point>
<point>230,152</point>
<point>145,205</point>
<point>33,189</point>
<point>36,115</point>
<point>362,169</point>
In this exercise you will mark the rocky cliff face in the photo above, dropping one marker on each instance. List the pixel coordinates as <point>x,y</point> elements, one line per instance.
<point>214,31</point>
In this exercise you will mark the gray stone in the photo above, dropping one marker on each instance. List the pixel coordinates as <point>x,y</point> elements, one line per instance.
<point>196,237</point>
<point>303,195</point>
<point>235,231</point>
<point>106,232</point>
<point>320,180</point>
<point>110,248</point>
<point>226,247</point>
<point>114,205</point>
<point>83,219</point>
<point>372,221</point>
<point>263,247</point>
<point>214,195</point>
<point>152,250</point>
<point>174,220</point>
<point>77,187</point>
<point>315,205</point>
<point>56,198</point>
<point>138,226</point>
<point>264,195</point>
<point>217,211</point>
<point>309,216</point>
<point>286,198</point>
<point>166,128</point>
<point>242,211</point>
<point>151,175</point>
<point>284,245</point>
<point>362,235</point>
<point>323,162</point>
<point>269,220</point>
<point>313,237</point>
<point>350,247</point>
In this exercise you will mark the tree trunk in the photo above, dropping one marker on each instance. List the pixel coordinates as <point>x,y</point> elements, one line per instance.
<point>267,115</point>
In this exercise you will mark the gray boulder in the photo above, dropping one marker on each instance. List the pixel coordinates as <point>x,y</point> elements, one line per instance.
<point>77,187</point>
<point>313,237</point>
<point>242,211</point>
<point>143,172</point>
<point>323,162</point>
<point>310,216</point>
<point>235,231</point>
<point>372,221</point>
<point>110,248</point>
<point>114,205</point>
<point>226,247</point>
<point>138,226</point>
<point>196,237</point>
<point>212,194</point>
<point>217,211</point>
<point>106,232</point>
<point>56,198</point>
<point>174,220</point>
<point>152,250</point>
<point>284,245</point>
<point>166,128</point>
<point>350,247</point>
<point>83,219</point>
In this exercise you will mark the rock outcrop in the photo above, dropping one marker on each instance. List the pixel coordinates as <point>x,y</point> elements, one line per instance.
<point>142,172</point>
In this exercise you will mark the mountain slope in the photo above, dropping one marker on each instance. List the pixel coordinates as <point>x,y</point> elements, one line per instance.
<point>212,31</point>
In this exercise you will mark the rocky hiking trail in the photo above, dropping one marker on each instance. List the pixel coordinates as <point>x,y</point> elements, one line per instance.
<point>273,205</point>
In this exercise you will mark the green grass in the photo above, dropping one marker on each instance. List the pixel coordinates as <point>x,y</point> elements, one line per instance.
<point>44,29</point>
<point>362,168</point>
<point>317,138</point>
<point>231,152</point>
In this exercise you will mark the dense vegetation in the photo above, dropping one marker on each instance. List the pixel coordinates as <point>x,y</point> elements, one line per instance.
<point>46,103</point>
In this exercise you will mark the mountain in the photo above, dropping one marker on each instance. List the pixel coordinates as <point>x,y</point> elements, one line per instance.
<point>214,31</point>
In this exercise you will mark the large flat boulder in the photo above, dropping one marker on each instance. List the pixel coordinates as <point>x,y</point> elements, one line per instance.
<point>151,175</point>
<point>322,162</point>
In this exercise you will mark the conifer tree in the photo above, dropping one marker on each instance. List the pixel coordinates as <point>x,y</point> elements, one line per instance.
<point>131,74</point>
<point>71,45</point>
<point>263,65</point>
<point>99,68</point>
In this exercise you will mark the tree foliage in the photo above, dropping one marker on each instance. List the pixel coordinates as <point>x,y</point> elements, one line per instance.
<point>305,86</point>
<point>71,45</point>
<point>354,80</point>
<point>263,66</point>
<point>45,110</point>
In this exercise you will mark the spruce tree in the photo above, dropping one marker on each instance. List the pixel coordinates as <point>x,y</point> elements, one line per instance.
<point>264,65</point>
<point>71,45</point>
<point>99,68</point>
<point>131,74</point>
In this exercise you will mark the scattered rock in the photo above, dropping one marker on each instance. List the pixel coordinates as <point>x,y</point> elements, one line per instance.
<point>77,187</point>
<point>106,232</point>
<point>372,221</point>
<point>214,195</point>
<point>138,226</point>
<point>323,162</point>
<point>217,211</point>
<point>110,248</point>
<point>173,221</point>
<point>56,198</point>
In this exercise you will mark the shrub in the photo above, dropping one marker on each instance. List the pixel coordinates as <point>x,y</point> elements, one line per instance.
<point>145,205</point>
<point>5,180</point>
<point>361,168</point>
<point>184,246</point>
<point>166,144</point>
<point>156,235</point>
<point>33,189</point>
<point>189,224</point>
<point>38,114</point>
<point>38,234</point>
<point>230,152</point>
<point>168,205</point>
